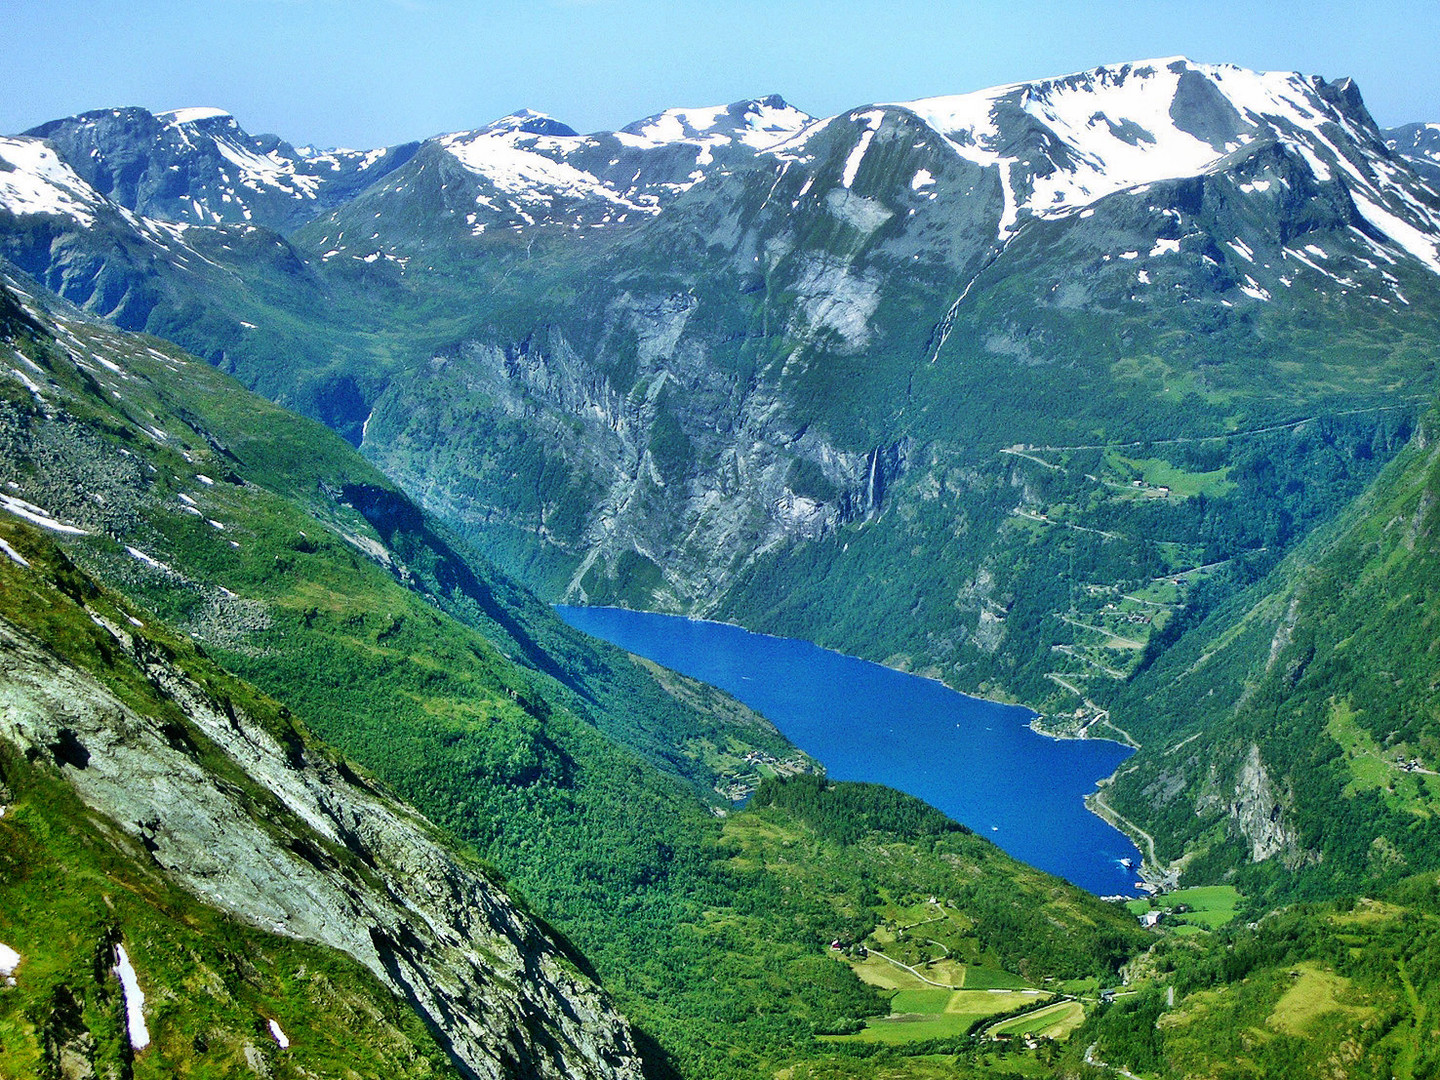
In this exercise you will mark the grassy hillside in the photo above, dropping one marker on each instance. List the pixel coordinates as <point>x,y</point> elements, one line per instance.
<point>1345,989</point>
<point>1322,678</point>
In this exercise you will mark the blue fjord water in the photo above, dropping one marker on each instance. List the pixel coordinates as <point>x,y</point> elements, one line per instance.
<point>976,760</point>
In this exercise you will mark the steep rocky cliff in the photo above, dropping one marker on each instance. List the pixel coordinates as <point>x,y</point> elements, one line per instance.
<point>925,344</point>
<point>243,810</point>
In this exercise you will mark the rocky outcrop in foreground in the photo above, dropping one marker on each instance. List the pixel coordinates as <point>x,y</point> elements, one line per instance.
<point>295,843</point>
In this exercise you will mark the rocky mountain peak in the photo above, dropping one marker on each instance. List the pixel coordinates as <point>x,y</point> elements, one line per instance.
<point>528,122</point>
<point>757,123</point>
<point>199,166</point>
<point>198,115</point>
<point>1419,145</point>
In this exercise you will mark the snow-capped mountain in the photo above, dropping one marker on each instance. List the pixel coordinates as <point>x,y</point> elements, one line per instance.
<point>1056,147</point>
<point>55,226</point>
<point>537,165</point>
<point>1012,155</point>
<point>1419,144</point>
<point>34,181</point>
<point>1144,248</point>
<point>528,169</point>
<point>197,165</point>
<point>1166,178</point>
<point>758,124</point>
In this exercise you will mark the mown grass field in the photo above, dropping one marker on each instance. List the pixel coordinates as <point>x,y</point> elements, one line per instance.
<point>1212,906</point>
<point>938,1014</point>
<point>1157,473</point>
<point>919,1011</point>
<point>1054,1022</point>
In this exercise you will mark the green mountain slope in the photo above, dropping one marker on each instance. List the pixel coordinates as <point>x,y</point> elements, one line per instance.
<point>1342,989</point>
<point>1293,735</point>
<point>852,411</point>
<point>873,387</point>
<point>282,914</point>
<point>274,548</point>
<point>72,892</point>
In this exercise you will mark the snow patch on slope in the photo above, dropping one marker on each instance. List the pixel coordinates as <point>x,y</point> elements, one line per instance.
<point>33,180</point>
<point>1060,145</point>
<point>134,1000</point>
<point>19,560</point>
<point>760,125</point>
<point>193,115</point>
<point>1416,242</point>
<point>36,516</point>
<point>518,170</point>
<point>267,170</point>
<point>857,155</point>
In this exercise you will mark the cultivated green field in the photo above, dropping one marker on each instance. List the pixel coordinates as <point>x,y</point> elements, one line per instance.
<point>1156,473</point>
<point>918,1014</point>
<point>1383,769</point>
<point>919,1011</point>
<point>1212,907</point>
<point>982,978</point>
<point>1054,1022</point>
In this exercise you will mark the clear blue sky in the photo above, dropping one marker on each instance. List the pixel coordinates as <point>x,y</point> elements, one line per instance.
<point>375,72</point>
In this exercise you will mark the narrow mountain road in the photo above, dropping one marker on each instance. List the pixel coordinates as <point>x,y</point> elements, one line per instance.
<point>1030,515</point>
<point>1289,425</point>
<point>912,971</point>
<point>924,922</point>
<point>1032,457</point>
<point>1120,642</point>
<point>1097,803</point>
<point>1059,677</point>
<point>1152,603</point>
<point>1204,566</point>
<point>1069,650</point>
<point>1125,736</point>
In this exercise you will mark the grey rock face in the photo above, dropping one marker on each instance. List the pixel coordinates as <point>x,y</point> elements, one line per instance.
<point>691,404</point>
<point>1257,810</point>
<point>637,452</point>
<point>1255,805</point>
<point>314,853</point>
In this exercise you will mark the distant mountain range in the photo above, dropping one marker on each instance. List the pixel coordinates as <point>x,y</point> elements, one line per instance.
<point>1419,145</point>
